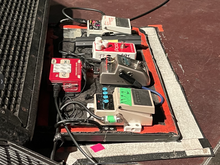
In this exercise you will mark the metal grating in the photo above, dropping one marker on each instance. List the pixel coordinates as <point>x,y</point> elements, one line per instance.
<point>17,21</point>
<point>13,154</point>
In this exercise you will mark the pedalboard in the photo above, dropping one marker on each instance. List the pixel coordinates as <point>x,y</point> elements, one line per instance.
<point>114,72</point>
<point>108,24</point>
<point>66,71</point>
<point>122,70</point>
<point>135,105</point>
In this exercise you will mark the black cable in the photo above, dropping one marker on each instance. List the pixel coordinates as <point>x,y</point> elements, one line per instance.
<point>69,54</point>
<point>81,56</point>
<point>141,15</point>
<point>79,20</point>
<point>68,42</point>
<point>65,53</point>
<point>53,150</point>
<point>75,112</point>
<point>81,48</point>
<point>66,114</point>
<point>83,33</point>
<point>52,155</point>
<point>78,121</point>
<point>90,96</point>
<point>84,86</point>
<point>95,87</point>
<point>76,102</point>
<point>65,19</point>
<point>70,134</point>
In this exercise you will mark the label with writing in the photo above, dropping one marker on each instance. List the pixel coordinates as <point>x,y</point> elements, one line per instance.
<point>64,68</point>
<point>109,21</point>
<point>125,96</point>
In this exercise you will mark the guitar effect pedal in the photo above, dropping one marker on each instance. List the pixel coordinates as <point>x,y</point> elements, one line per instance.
<point>66,71</point>
<point>102,48</point>
<point>135,105</point>
<point>108,24</point>
<point>123,71</point>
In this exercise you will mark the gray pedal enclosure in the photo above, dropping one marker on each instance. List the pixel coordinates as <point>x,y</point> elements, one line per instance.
<point>193,142</point>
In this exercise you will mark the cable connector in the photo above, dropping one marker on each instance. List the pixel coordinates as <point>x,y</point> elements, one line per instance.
<point>88,97</point>
<point>80,20</point>
<point>56,90</point>
<point>57,138</point>
<point>112,119</point>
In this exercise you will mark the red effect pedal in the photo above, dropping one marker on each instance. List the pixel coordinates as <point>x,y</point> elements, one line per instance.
<point>68,72</point>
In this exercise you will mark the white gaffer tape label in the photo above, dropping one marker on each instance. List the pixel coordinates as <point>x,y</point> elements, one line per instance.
<point>62,68</point>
